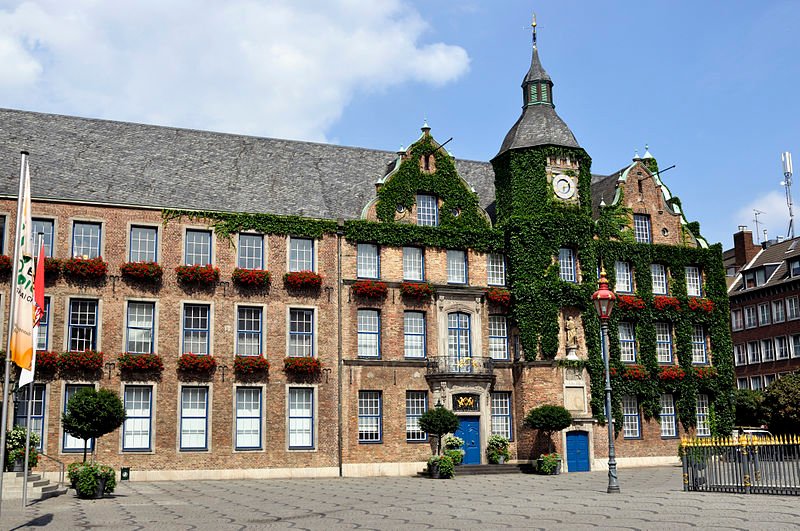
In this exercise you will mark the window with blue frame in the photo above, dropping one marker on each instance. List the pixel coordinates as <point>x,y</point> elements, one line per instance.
<point>458,339</point>
<point>699,352</point>
<point>85,239</point>
<point>140,327</point>
<point>627,342</point>
<point>368,261</point>
<point>248,331</point>
<point>301,254</point>
<point>641,228</point>
<point>137,427</point>
<point>669,425</point>
<point>369,416</point>
<point>250,251</point>
<point>68,442</point>
<point>198,247</point>
<point>82,325</point>
<point>301,418</point>
<point>498,337</point>
<point>369,334</point>
<point>144,244</point>
<point>631,421</point>
<point>248,418</point>
<point>37,411</point>
<point>196,329</point>
<point>416,405</point>
<point>501,415</point>
<point>566,265</point>
<point>413,264</point>
<point>414,334</point>
<point>194,418</point>
<point>456,267</point>
<point>43,330</point>
<point>427,210</point>
<point>301,333</point>
<point>45,227</point>
<point>663,342</point>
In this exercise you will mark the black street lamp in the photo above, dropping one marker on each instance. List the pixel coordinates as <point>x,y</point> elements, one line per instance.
<point>603,300</point>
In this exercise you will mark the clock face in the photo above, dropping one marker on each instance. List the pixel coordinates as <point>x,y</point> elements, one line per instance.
<point>564,186</point>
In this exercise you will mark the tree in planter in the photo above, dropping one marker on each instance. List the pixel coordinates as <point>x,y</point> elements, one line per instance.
<point>91,414</point>
<point>437,422</point>
<point>782,401</point>
<point>548,419</point>
<point>750,410</point>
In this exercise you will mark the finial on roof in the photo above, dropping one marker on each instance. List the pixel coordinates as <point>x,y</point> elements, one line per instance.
<point>533,25</point>
<point>647,154</point>
<point>636,155</point>
<point>425,127</point>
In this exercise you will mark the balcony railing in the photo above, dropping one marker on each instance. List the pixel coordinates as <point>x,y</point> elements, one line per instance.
<point>460,365</point>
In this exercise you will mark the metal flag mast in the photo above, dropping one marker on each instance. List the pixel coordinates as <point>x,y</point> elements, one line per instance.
<point>786,159</point>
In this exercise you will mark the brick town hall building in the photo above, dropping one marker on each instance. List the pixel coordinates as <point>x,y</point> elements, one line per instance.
<point>479,269</point>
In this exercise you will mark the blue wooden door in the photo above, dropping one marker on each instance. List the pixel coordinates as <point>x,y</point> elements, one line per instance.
<point>470,431</point>
<point>577,451</point>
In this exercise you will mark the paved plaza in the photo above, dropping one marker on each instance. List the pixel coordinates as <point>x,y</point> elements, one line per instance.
<point>651,498</point>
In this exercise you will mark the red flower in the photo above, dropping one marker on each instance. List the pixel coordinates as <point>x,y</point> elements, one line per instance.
<point>140,362</point>
<point>85,268</point>
<point>143,271</point>
<point>302,366</point>
<point>46,361</point>
<point>635,372</point>
<point>80,361</point>
<point>705,373</point>
<point>302,280</point>
<point>701,304</point>
<point>52,267</point>
<point>630,302</point>
<point>250,365</point>
<point>671,373</point>
<point>197,274</point>
<point>662,302</point>
<point>5,265</point>
<point>251,278</point>
<point>416,290</point>
<point>371,289</point>
<point>499,296</point>
<point>196,363</point>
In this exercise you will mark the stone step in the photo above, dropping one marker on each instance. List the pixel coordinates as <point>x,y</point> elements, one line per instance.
<point>38,488</point>
<point>477,470</point>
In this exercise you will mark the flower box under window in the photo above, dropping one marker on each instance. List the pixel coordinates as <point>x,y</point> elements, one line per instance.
<point>84,268</point>
<point>630,302</point>
<point>46,364</point>
<point>303,280</point>
<point>416,290</point>
<point>52,268</point>
<point>128,362</point>
<point>701,304</point>
<point>85,362</point>
<point>631,372</point>
<point>142,271</point>
<point>661,303</point>
<point>672,373</point>
<point>250,365</point>
<point>205,275</point>
<point>302,366</point>
<point>370,289</point>
<point>5,265</point>
<point>197,363</point>
<point>499,296</point>
<point>251,278</point>
<point>705,373</point>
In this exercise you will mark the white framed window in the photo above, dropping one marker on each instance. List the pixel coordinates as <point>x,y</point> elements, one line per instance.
<point>43,331</point>
<point>659,274</point>
<point>301,418</point>
<point>301,333</point>
<point>416,405</point>
<point>368,261</point>
<point>753,352</point>
<point>137,428</point>
<point>624,278</point>
<point>413,264</point>
<point>140,332</point>
<point>501,415</point>
<point>641,228</point>
<point>427,210</point>
<point>198,247</point>
<point>699,352</point>
<point>627,342</point>
<point>767,350</point>
<point>755,383</point>
<point>703,427</point>
<point>763,314</point>
<point>630,418</point>
<point>778,315</point>
<point>737,320</point>
<point>301,254</point>
<point>249,326</point>
<point>143,244</point>
<point>498,337</point>
<point>792,309</point>
<point>414,334</point>
<point>750,317</point>
<point>741,383</point>
<point>456,267</point>
<point>248,418</point>
<point>768,379</point>
<point>45,227</point>
<point>196,329</point>
<point>566,265</point>
<point>194,418</point>
<point>740,354</point>
<point>794,268</point>
<point>370,417</point>
<point>663,342</point>
<point>37,411</point>
<point>669,428</point>
<point>86,239</point>
<point>68,442</point>
<point>369,334</point>
<point>782,348</point>
<point>250,252</point>
<point>796,346</point>
<point>694,282</point>
<point>82,325</point>
<point>496,269</point>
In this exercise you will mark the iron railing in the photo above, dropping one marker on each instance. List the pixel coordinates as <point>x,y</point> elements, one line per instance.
<point>60,467</point>
<point>745,464</point>
<point>457,365</point>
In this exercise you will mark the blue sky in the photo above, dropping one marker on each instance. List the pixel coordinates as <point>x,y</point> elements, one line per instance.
<point>710,86</point>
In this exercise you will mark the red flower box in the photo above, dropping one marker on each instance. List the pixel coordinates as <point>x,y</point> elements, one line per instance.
<point>84,268</point>
<point>629,302</point>
<point>302,280</point>
<point>52,267</point>
<point>635,372</point>
<point>671,373</point>
<point>46,361</point>
<point>701,304</point>
<point>5,265</point>
<point>85,361</point>
<point>251,278</point>
<point>197,274</point>
<point>370,289</point>
<point>196,363</point>
<point>662,302</point>
<point>705,373</point>
<point>499,296</point>
<point>246,365</point>
<point>142,271</point>
<point>416,290</point>
<point>302,366</point>
<point>140,362</point>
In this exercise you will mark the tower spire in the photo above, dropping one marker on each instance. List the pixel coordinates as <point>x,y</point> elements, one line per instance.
<point>533,25</point>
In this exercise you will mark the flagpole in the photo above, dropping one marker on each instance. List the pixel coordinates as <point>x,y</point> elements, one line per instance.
<point>6,377</point>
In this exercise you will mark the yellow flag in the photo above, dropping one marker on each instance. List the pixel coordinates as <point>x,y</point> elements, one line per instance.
<point>22,334</point>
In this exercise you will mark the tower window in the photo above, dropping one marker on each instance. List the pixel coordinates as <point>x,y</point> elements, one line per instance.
<point>533,98</point>
<point>544,93</point>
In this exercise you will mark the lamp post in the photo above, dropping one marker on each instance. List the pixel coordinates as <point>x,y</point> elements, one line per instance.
<point>603,300</point>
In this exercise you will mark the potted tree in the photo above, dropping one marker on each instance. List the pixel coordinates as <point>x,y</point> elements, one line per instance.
<point>437,422</point>
<point>549,419</point>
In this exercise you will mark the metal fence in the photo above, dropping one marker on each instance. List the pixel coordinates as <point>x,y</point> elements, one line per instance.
<point>745,464</point>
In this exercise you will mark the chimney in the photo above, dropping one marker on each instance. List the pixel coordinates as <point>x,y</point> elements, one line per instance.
<point>743,246</point>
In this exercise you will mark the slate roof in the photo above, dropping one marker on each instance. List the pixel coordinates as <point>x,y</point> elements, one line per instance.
<point>777,254</point>
<point>604,188</point>
<point>536,72</point>
<point>80,159</point>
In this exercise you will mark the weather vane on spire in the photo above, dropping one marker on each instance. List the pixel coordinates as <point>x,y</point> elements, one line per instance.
<point>533,25</point>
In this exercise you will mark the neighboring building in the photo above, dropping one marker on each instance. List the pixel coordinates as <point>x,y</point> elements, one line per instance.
<point>534,222</point>
<point>765,310</point>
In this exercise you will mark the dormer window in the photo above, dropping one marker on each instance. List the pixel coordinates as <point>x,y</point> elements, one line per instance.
<point>427,210</point>
<point>794,267</point>
<point>755,278</point>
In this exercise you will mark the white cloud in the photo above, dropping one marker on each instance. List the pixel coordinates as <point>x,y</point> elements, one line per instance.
<point>775,216</point>
<point>269,67</point>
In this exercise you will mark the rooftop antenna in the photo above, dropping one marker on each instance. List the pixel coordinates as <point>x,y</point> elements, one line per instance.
<point>757,213</point>
<point>786,158</point>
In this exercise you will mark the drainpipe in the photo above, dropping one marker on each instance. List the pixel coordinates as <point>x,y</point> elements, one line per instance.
<point>340,367</point>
